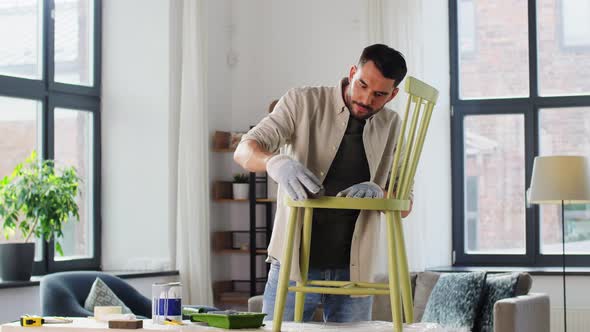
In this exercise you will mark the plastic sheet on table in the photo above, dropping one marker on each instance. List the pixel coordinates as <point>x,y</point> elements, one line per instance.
<point>373,326</point>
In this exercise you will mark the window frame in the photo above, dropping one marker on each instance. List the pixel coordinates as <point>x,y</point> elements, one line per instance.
<point>83,98</point>
<point>529,107</point>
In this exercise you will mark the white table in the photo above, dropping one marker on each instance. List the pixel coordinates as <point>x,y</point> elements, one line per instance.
<point>90,325</point>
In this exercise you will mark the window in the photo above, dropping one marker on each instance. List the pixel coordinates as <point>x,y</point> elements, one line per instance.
<point>494,160</point>
<point>575,26</point>
<point>74,33</point>
<point>22,38</point>
<point>498,67</point>
<point>564,47</point>
<point>564,131</point>
<point>516,95</point>
<point>467,23</point>
<point>49,102</point>
<point>73,137</point>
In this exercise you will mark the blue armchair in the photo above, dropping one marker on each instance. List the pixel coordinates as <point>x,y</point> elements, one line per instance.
<point>64,293</point>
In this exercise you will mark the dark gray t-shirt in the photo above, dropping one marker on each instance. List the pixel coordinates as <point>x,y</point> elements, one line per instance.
<point>332,229</point>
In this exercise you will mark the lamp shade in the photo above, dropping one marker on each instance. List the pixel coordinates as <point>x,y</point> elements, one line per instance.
<point>560,178</point>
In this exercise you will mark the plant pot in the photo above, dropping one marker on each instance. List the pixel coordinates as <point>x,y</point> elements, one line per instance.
<point>16,261</point>
<point>240,190</point>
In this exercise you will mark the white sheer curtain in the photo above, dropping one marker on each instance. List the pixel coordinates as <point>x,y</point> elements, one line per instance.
<point>407,26</point>
<point>193,257</point>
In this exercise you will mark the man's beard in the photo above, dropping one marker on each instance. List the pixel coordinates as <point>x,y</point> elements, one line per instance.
<point>370,111</point>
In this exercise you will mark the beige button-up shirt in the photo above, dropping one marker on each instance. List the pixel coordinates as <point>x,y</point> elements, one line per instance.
<point>308,124</point>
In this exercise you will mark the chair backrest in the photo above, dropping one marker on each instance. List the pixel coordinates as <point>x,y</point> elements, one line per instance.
<point>421,100</point>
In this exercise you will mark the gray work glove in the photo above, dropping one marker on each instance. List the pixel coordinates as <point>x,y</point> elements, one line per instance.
<point>292,176</point>
<point>362,190</point>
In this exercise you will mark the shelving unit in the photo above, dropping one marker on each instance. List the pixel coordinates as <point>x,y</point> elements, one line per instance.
<point>228,293</point>
<point>225,242</point>
<point>254,201</point>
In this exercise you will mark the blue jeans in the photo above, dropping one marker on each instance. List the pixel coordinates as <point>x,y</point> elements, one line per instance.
<point>337,308</point>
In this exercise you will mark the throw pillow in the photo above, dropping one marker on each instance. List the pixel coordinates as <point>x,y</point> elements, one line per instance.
<point>455,300</point>
<point>524,283</point>
<point>101,295</point>
<point>425,282</point>
<point>382,303</point>
<point>498,286</point>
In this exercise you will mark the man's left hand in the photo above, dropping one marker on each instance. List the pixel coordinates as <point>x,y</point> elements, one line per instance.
<point>370,190</point>
<point>362,190</point>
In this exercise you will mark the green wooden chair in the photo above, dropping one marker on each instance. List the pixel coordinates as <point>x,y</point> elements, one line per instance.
<point>423,98</point>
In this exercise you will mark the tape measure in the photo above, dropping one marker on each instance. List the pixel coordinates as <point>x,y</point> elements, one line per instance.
<point>30,321</point>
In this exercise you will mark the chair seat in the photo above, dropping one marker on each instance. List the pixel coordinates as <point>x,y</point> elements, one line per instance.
<point>373,204</point>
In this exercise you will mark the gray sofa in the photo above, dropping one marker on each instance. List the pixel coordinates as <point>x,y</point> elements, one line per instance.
<point>526,312</point>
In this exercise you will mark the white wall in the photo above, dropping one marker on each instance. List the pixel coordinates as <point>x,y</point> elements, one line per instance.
<point>28,299</point>
<point>136,110</point>
<point>284,44</point>
<point>577,296</point>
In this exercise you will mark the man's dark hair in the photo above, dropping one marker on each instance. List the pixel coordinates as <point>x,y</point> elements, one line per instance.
<point>390,62</point>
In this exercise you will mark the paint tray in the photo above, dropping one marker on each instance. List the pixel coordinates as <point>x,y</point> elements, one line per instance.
<point>230,319</point>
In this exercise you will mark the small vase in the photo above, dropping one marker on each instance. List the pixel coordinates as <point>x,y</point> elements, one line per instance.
<point>240,190</point>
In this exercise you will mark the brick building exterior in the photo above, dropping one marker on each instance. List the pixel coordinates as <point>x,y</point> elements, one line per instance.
<point>494,63</point>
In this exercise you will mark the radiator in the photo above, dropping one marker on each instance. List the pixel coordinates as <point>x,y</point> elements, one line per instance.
<point>578,319</point>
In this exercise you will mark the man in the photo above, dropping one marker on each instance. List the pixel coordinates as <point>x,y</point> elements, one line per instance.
<point>342,140</point>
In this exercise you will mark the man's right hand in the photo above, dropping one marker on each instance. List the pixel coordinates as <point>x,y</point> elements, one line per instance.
<point>293,176</point>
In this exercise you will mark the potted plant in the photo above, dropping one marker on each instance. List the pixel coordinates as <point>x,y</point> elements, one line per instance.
<point>240,186</point>
<point>35,201</point>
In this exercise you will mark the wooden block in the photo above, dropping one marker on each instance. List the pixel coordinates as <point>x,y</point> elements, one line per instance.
<point>126,324</point>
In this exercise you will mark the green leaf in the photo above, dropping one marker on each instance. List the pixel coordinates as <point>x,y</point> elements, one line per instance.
<point>58,248</point>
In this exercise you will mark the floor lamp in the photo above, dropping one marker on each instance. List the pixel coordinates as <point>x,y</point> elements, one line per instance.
<point>560,180</point>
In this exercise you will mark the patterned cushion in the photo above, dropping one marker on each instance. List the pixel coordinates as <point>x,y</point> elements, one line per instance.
<point>101,295</point>
<point>498,286</point>
<point>455,300</point>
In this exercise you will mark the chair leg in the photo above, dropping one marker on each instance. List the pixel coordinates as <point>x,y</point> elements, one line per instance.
<point>304,264</point>
<point>283,286</point>
<point>394,291</point>
<point>402,265</point>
